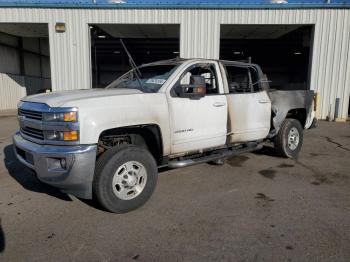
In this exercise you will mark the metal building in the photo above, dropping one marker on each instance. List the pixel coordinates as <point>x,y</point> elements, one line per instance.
<point>66,45</point>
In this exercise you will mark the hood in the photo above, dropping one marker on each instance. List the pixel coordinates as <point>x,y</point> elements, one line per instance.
<point>57,99</point>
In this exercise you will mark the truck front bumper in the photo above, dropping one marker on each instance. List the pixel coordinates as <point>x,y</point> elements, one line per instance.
<point>69,168</point>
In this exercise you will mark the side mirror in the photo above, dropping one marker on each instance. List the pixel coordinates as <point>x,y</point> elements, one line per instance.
<point>195,90</point>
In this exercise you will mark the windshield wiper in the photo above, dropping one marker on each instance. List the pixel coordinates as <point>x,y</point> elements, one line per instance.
<point>133,65</point>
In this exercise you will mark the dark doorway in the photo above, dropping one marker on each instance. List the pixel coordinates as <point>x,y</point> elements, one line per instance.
<point>282,51</point>
<point>145,42</point>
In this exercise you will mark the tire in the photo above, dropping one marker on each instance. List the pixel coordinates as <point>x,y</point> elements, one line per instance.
<point>125,178</point>
<point>289,139</point>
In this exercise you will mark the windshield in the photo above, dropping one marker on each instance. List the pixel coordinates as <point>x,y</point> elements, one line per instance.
<point>148,79</point>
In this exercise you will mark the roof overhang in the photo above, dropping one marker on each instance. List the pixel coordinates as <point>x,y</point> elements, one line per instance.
<point>175,4</point>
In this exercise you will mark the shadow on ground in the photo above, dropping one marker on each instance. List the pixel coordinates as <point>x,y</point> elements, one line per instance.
<point>266,150</point>
<point>93,203</point>
<point>2,239</point>
<point>26,177</point>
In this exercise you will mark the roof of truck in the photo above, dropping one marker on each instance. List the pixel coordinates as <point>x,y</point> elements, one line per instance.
<point>178,60</point>
<point>174,61</point>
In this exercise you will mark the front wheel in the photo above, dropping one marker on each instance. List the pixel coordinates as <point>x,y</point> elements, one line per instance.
<point>289,139</point>
<point>125,178</point>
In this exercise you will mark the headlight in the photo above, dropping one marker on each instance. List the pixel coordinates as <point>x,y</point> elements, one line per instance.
<point>60,117</point>
<point>61,135</point>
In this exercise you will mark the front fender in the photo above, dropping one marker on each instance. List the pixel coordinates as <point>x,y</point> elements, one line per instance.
<point>98,115</point>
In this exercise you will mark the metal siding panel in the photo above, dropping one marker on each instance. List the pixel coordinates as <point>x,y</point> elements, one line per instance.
<point>345,94</point>
<point>194,4</point>
<point>328,23</point>
<point>334,66</point>
<point>331,74</point>
<point>343,54</point>
<point>11,91</point>
<point>315,68</point>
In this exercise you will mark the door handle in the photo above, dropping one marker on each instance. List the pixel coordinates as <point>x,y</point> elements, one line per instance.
<point>264,101</point>
<point>219,104</point>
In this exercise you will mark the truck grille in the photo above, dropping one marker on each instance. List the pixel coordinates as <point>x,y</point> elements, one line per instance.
<point>36,128</point>
<point>33,132</point>
<point>30,114</point>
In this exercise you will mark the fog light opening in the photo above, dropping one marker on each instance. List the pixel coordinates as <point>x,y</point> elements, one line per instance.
<point>63,163</point>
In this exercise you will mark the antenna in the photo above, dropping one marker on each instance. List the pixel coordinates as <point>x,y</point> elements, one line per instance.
<point>131,61</point>
<point>133,65</point>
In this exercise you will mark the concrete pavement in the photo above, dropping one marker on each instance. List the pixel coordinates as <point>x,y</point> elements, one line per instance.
<point>256,207</point>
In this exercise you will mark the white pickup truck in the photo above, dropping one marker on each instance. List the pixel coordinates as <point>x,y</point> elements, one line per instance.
<point>109,143</point>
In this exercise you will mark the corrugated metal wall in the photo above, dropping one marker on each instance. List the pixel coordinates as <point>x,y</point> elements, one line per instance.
<point>12,89</point>
<point>199,37</point>
<point>15,84</point>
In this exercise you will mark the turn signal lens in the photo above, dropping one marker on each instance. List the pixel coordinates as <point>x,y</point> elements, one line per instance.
<point>70,135</point>
<point>70,117</point>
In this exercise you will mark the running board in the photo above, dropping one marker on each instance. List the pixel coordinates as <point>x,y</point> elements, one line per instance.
<point>213,157</point>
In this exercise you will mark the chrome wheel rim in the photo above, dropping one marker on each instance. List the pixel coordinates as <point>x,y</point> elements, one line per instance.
<point>293,138</point>
<point>129,180</point>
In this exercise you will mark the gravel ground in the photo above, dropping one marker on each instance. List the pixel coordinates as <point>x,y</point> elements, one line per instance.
<point>256,207</point>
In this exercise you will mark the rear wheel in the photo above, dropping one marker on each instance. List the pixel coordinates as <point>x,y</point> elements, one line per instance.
<point>125,178</point>
<point>289,139</point>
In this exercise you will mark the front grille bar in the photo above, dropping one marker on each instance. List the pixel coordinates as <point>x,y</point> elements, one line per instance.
<point>38,134</point>
<point>30,114</point>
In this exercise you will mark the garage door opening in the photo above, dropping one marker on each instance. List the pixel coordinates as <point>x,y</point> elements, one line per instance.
<point>146,43</point>
<point>282,51</point>
<point>25,60</point>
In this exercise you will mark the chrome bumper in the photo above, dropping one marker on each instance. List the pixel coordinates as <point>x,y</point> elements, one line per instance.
<point>69,168</point>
